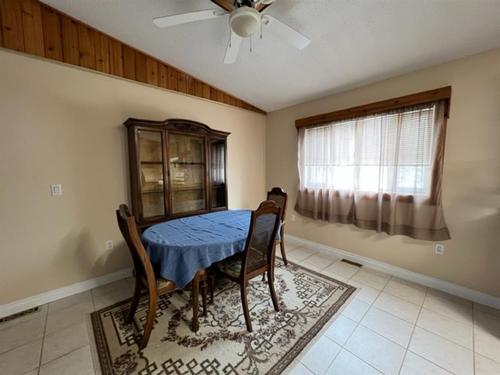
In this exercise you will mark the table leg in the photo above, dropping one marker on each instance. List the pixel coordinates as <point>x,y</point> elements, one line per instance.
<point>204,295</point>
<point>211,278</point>
<point>195,299</point>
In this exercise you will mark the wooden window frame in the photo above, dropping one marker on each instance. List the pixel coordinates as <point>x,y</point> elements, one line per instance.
<point>443,93</point>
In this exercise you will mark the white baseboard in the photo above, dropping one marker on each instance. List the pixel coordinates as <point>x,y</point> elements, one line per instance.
<point>429,281</point>
<point>419,278</point>
<point>52,295</point>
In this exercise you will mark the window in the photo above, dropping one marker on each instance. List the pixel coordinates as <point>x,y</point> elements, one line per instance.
<point>378,166</point>
<point>389,153</point>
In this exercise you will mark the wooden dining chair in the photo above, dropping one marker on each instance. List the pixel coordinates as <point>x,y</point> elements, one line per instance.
<point>147,280</point>
<point>258,255</point>
<point>280,196</point>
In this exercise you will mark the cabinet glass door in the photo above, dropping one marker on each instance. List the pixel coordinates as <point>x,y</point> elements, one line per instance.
<point>218,173</point>
<point>151,173</point>
<point>187,172</point>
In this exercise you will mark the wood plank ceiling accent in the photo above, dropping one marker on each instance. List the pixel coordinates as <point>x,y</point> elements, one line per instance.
<point>35,28</point>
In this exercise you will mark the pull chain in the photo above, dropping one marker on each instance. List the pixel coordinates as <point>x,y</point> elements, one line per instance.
<point>251,49</point>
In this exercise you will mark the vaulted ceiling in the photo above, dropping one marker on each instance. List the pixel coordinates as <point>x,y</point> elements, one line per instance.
<point>354,42</point>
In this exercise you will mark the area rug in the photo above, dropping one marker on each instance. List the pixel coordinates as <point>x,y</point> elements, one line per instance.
<point>307,299</point>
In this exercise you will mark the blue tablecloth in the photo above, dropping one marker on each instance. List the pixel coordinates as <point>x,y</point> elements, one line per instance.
<point>183,246</point>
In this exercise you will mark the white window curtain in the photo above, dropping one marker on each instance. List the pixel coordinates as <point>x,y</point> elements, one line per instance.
<point>379,172</point>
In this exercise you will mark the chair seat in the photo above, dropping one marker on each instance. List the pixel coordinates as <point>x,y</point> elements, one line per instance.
<point>163,284</point>
<point>231,266</point>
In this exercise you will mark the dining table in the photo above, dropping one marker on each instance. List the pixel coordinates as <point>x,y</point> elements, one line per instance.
<point>181,247</point>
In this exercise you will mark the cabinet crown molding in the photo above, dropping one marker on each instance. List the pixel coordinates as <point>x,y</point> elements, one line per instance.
<point>175,124</point>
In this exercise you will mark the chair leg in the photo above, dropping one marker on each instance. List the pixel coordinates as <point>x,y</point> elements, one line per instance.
<point>135,300</point>
<point>270,273</point>
<point>244,301</point>
<point>270,281</point>
<point>204,296</point>
<point>148,327</point>
<point>282,246</point>
<point>195,296</point>
<point>212,287</point>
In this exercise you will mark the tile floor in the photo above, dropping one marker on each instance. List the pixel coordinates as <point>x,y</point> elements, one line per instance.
<point>390,327</point>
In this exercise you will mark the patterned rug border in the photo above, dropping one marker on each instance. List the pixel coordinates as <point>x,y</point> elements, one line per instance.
<point>305,340</point>
<point>278,368</point>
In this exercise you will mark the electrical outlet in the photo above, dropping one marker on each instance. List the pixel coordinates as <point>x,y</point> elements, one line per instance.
<point>439,249</point>
<point>109,244</point>
<point>56,189</point>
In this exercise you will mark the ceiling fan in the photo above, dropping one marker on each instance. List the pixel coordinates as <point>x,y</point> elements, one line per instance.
<point>246,18</point>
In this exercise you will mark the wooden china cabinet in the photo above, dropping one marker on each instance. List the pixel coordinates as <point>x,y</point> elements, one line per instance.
<point>177,168</point>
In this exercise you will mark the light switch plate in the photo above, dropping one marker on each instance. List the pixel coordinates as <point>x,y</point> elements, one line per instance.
<point>56,189</point>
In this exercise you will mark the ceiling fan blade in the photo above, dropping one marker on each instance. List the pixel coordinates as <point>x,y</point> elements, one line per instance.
<point>233,49</point>
<point>284,31</point>
<point>179,19</point>
<point>227,5</point>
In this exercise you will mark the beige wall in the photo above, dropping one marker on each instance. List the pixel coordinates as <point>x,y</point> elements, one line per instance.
<point>61,124</point>
<point>471,174</point>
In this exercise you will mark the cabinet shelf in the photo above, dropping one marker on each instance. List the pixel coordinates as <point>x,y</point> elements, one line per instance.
<point>187,163</point>
<point>151,162</point>
<point>187,188</point>
<point>152,192</point>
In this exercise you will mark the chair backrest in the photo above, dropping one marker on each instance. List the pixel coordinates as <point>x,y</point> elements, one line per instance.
<point>280,196</point>
<point>259,247</point>
<point>142,264</point>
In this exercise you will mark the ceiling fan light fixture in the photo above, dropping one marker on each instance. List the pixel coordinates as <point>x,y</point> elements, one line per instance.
<point>245,21</point>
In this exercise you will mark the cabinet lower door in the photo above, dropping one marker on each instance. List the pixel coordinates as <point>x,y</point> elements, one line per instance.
<point>187,173</point>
